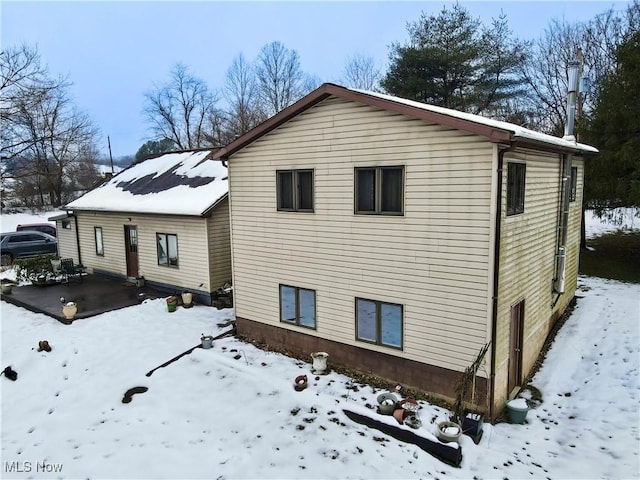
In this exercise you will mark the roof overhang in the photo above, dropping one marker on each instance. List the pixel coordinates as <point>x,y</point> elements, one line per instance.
<point>60,216</point>
<point>498,132</point>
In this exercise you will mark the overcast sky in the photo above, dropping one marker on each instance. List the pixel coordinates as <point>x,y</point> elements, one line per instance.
<point>113,52</point>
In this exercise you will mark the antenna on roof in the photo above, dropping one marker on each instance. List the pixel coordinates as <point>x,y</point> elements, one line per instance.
<point>110,156</point>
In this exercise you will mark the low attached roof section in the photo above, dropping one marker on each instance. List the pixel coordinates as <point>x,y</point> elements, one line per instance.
<point>175,183</point>
<point>495,131</point>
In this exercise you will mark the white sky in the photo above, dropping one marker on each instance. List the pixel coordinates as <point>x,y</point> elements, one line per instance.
<point>232,412</point>
<point>114,51</point>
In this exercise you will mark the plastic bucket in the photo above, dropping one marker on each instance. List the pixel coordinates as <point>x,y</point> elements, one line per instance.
<point>516,414</point>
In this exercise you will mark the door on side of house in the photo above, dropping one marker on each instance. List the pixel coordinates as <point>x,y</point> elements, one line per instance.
<point>131,249</point>
<point>515,347</point>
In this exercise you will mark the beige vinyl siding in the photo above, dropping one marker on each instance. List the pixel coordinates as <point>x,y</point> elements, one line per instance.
<point>527,260</point>
<point>219,245</point>
<point>434,260</point>
<point>193,269</point>
<point>67,245</point>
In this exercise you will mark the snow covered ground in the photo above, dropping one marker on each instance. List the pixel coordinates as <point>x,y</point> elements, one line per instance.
<point>626,220</point>
<point>232,412</point>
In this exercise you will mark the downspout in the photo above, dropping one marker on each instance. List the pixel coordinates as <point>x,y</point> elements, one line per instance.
<point>496,276</point>
<point>565,172</point>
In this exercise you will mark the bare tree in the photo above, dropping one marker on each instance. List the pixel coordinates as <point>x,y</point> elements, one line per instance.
<point>182,110</point>
<point>279,76</point>
<point>546,74</point>
<point>43,133</point>
<point>546,70</point>
<point>360,72</point>
<point>24,82</point>
<point>59,138</point>
<point>241,92</point>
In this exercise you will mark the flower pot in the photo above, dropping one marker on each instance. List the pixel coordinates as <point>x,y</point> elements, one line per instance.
<point>319,362</point>
<point>387,403</point>
<point>187,299</point>
<point>172,303</point>
<point>412,421</point>
<point>300,383</point>
<point>448,431</point>
<point>6,288</point>
<point>69,310</point>
<point>517,410</point>
<point>399,414</point>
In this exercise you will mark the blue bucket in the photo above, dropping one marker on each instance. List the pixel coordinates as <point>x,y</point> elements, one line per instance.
<point>516,413</point>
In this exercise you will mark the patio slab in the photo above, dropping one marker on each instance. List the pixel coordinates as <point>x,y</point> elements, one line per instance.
<point>95,295</point>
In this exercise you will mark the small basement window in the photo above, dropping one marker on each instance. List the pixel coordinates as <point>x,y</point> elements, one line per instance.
<point>379,322</point>
<point>298,306</point>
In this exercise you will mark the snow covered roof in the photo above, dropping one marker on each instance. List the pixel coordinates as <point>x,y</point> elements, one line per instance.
<point>518,131</point>
<point>496,131</point>
<point>177,183</point>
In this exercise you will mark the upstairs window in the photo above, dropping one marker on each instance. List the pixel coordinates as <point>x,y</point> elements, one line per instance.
<point>515,187</point>
<point>379,190</point>
<point>295,190</point>
<point>574,184</point>
<point>167,249</point>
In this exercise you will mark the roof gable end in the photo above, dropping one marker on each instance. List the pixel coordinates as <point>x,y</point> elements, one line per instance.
<point>495,131</point>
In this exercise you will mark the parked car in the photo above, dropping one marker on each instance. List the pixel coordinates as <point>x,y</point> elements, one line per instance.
<point>39,227</point>
<point>25,243</point>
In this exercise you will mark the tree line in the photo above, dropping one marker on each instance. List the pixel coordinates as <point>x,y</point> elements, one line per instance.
<point>449,58</point>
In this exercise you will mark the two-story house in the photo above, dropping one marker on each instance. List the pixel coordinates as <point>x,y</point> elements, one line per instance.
<point>401,238</point>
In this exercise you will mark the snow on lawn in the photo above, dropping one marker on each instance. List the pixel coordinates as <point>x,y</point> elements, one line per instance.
<point>232,412</point>
<point>8,223</point>
<point>626,220</point>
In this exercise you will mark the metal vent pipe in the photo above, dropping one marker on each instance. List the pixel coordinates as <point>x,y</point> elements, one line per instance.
<point>565,176</point>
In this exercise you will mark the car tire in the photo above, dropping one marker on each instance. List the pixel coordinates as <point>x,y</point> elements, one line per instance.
<point>6,259</point>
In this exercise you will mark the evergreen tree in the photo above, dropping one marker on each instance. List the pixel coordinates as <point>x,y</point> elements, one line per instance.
<point>453,61</point>
<point>154,146</point>
<point>613,178</point>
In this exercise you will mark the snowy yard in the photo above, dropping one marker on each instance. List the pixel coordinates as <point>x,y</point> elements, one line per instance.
<point>232,412</point>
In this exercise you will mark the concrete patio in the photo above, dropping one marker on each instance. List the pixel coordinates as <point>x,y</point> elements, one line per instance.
<point>96,294</point>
